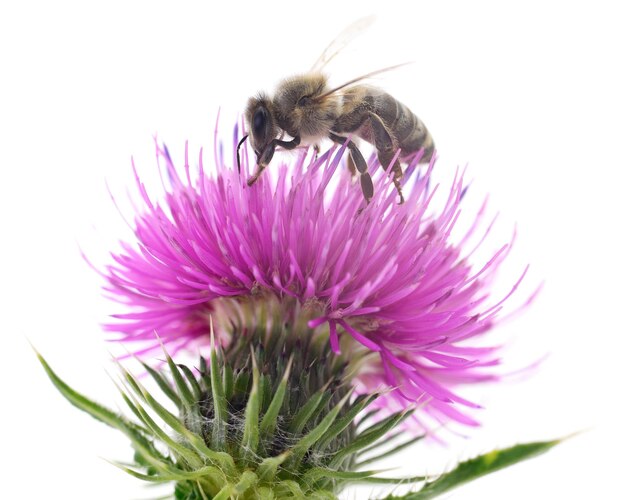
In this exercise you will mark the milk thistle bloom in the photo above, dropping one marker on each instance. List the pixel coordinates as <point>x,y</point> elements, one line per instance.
<point>323,323</point>
<point>383,278</point>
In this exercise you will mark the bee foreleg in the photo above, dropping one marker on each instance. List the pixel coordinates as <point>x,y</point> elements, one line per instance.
<point>293,143</point>
<point>386,150</point>
<point>243,139</point>
<point>359,162</point>
<point>256,175</point>
<point>268,153</point>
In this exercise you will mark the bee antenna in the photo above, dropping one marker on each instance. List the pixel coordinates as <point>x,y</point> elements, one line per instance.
<point>243,139</point>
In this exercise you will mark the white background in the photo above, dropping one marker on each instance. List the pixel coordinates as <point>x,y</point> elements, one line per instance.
<point>531,96</point>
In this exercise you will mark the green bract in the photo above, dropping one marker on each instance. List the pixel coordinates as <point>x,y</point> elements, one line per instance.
<point>267,417</point>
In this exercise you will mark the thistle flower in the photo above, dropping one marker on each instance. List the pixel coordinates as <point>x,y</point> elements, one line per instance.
<point>316,296</point>
<point>386,281</point>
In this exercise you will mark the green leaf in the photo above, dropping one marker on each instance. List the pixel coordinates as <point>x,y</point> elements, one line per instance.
<point>250,439</point>
<point>218,437</point>
<point>268,467</point>
<point>315,434</point>
<point>182,387</point>
<point>199,487</point>
<point>228,382</point>
<point>152,478</point>
<point>225,493</point>
<point>164,385</point>
<point>303,415</point>
<point>477,467</point>
<point>193,382</point>
<point>395,449</point>
<point>174,474</point>
<point>323,472</point>
<point>265,392</point>
<point>188,455</point>
<point>182,491</point>
<point>99,412</point>
<point>242,382</point>
<point>224,460</point>
<point>204,372</point>
<point>369,436</point>
<point>381,443</point>
<point>248,480</point>
<point>342,423</point>
<point>358,477</point>
<point>265,493</point>
<point>196,442</point>
<point>270,419</point>
<point>365,418</point>
<point>81,402</point>
<point>321,495</point>
<point>289,489</point>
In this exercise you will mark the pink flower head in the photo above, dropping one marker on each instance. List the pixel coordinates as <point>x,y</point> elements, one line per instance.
<point>387,275</point>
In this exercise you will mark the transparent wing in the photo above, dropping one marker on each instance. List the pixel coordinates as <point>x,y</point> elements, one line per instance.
<point>342,40</point>
<point>360,79</point>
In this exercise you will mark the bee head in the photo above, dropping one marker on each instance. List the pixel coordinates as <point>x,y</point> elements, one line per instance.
<point>262,126</point>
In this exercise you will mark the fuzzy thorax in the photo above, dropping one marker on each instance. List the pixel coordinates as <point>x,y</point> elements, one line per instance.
<point>300,112</point>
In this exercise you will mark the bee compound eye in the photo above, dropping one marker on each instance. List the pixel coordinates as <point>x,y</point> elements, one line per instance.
<point>258,121</point>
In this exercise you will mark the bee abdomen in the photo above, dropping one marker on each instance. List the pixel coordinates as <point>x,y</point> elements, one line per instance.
<point>408,130</point>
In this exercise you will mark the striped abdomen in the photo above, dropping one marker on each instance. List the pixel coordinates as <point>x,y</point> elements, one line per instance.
<point>389,125</point>
<point>408,131</point>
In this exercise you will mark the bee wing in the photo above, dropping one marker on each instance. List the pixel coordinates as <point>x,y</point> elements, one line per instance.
<point>361,78</point>
<point>342,40</point>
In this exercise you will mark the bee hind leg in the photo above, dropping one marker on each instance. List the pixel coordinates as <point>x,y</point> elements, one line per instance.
<point>358,164</point>
<point>386,151</point>
<point>351,166</point>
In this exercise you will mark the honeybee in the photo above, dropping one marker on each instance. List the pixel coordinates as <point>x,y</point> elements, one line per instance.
<point>307,109</point>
